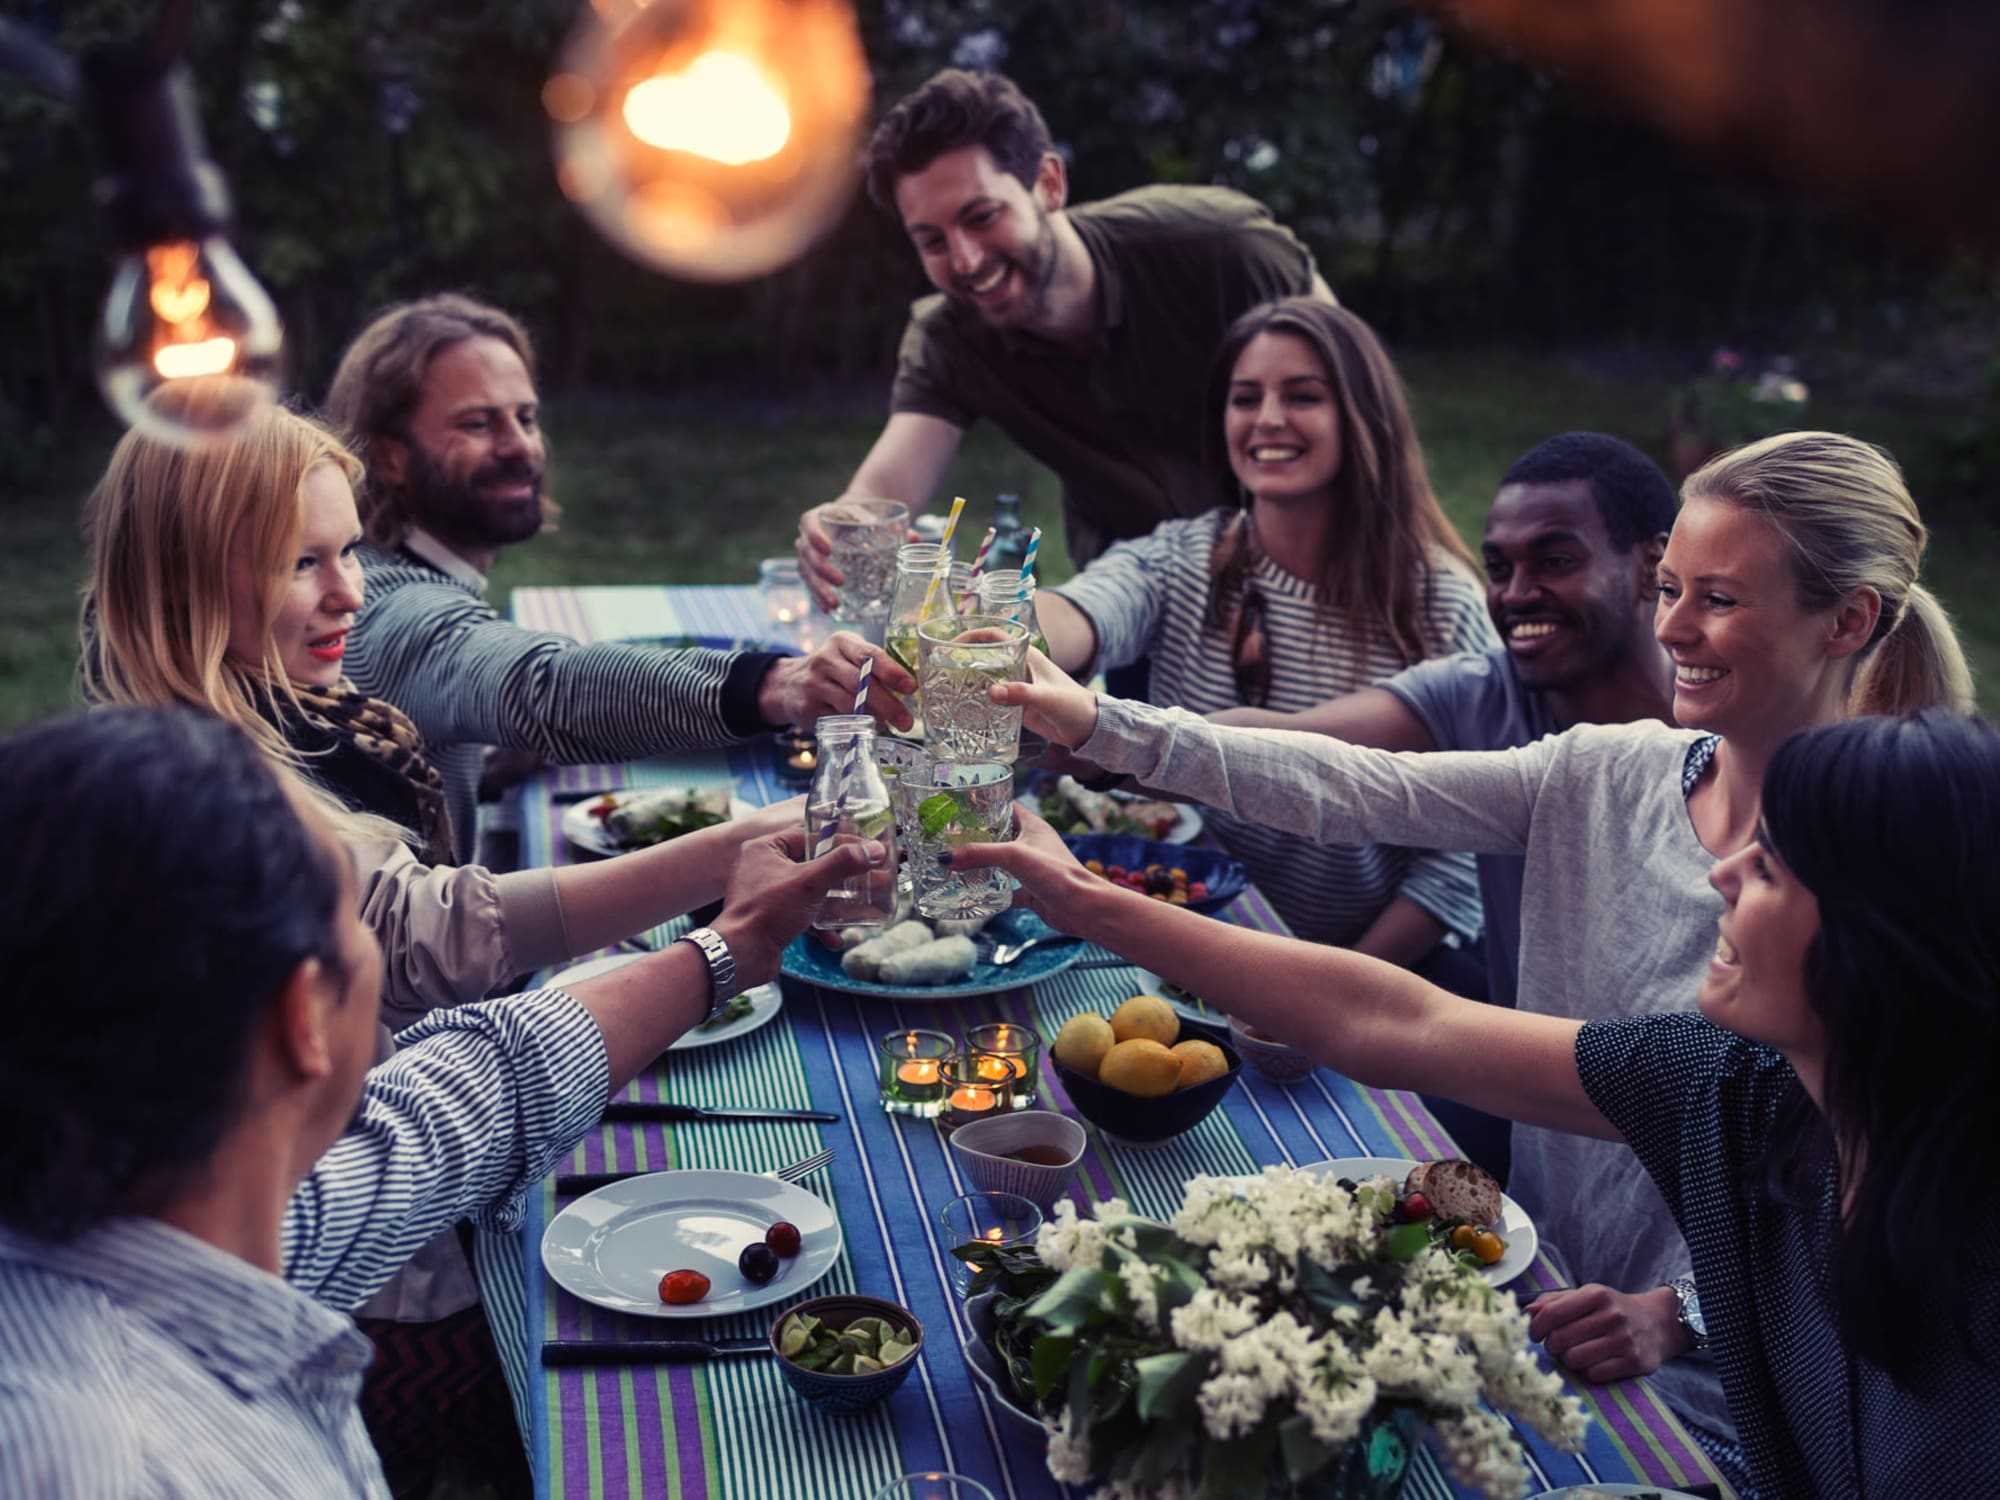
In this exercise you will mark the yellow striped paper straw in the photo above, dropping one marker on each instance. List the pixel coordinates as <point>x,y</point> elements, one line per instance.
<point>944,557</point>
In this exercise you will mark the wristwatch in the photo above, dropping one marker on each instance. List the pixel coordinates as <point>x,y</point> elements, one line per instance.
<point>1690,1310</point>
<point>721,968</point>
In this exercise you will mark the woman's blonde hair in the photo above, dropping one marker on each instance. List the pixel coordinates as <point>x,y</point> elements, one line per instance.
<point>1842,507</point>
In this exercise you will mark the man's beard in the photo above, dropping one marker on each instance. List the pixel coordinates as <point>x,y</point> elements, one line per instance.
<point>457,512</point>
<point>1037,268</point>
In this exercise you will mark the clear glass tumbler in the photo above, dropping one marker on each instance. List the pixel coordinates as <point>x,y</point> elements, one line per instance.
<point>952,804</point>
<point>849,801</point>
<point>960,658</point>
<point>866,535</point>
<point>1004,1219</point>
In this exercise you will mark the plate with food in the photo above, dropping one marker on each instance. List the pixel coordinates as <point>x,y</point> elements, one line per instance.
<point>1072,807</point>
<point>639,817</point>
<point>753,1008</point>
<point>1461,1202</point>
<point>919,960</point>
<point>691,1244</point>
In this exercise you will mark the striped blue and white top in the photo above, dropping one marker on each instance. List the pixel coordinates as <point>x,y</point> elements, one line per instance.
<point>138,1360</point>
<point>430,644</point>
<point>1147,598</point>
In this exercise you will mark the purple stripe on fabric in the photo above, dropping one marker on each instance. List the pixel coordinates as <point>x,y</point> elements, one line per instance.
<point>687,1436</point>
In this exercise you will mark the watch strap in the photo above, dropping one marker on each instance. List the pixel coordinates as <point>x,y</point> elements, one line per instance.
<point>721,967</point>
<point>1688,1300</point>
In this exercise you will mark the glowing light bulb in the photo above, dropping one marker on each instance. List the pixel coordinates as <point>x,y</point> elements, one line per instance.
<point>180,311</point>
<point>712,139</point>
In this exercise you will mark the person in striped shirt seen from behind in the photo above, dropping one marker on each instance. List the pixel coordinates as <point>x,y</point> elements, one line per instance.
<point>1336,569</point>
<point>438,398</point>
<point>201,1170</point>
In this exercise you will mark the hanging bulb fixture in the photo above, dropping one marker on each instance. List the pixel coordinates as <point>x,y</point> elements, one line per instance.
<point>181,304</point>
<point>712,139</point>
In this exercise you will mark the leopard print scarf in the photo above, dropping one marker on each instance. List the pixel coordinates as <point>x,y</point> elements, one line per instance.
<point>383,736</point>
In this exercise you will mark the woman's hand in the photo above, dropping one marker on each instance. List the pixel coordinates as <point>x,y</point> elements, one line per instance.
<point>1604,1334</point>
<point>774,892</point>
<point>1054,705</point>
<point>1053,885</point>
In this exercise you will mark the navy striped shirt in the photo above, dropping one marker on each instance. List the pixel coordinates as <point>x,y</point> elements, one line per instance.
<point>430,644</point>
<point>138,1360</point>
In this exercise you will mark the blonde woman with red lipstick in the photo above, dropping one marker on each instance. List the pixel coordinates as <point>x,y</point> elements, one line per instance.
<point>1788,599</point>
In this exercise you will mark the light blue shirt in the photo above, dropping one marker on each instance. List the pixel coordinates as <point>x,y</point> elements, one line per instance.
<point>138,1360</point>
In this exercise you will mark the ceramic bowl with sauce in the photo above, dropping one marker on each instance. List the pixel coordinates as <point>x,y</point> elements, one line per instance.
<point>1031,1152</point>
<point>1266,1055</point>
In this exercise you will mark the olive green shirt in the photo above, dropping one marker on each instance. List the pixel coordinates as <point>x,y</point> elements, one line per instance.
<point>1123,425</point>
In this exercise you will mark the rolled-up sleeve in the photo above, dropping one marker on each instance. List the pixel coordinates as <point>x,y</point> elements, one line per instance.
<point>1119,593</point>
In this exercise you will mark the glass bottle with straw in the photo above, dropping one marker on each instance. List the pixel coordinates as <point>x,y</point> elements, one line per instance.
<point>1009,593</point>
<point>849,801</point>
<point>916,565</point>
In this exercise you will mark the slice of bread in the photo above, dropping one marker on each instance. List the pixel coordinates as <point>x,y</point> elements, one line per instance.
<point>1457,1190</point>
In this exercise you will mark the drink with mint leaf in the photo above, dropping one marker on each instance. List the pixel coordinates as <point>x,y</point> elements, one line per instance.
<point>947,806</point>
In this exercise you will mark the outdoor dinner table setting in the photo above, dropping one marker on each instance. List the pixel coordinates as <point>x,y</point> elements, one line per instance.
<point>753,1280</point>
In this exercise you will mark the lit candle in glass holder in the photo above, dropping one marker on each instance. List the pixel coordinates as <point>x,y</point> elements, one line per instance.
<point>796,756</point>
<point>1001,1049</point>
<point>912,1065</point>
<point>973,1092</point>
<point>982,1219</point>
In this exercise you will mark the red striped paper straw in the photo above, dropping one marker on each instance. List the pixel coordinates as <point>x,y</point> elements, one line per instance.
<point>978,567</point>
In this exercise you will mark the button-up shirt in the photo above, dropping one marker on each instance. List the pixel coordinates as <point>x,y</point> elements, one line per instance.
<point>138,1360</point>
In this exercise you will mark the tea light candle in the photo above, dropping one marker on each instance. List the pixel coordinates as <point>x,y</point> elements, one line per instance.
<point>975,1088</point>
<point>972,1101</point>
<point>913,1071</point>
<point>1003,1048</point>
<point>796,756</point>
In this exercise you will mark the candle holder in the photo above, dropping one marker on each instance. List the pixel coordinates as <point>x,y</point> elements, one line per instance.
<point>1000,1219</point>
<point>975,1093</point>
<point>913,1071</point>
<point>1010,1046</point>
<point>795,756</point>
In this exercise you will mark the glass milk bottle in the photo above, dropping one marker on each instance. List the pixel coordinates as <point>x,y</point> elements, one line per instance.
<point>849,802</point>
<point>916,565</point>
<point>1000,594</point>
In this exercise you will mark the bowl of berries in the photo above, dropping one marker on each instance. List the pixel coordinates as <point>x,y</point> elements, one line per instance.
<point>1204,880</point>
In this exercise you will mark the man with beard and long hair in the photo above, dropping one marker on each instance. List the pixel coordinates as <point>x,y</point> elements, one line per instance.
<point>1085,332</point>
<point>438,397</point>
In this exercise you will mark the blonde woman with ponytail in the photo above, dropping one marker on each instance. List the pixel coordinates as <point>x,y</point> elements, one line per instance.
<point>1788,598</point>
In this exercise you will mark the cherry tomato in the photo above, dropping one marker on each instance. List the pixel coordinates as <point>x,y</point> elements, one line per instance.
<point>683,1287</point>
<point>1417,1207</point>
<point>1461,1237</point>
<point>783,1238</point>
<point>758,1262</point>
<point>1487,1246</point>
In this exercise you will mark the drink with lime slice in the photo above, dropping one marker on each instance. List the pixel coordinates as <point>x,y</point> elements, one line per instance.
<point>1003,592</point>
<point>959,661</point>
<point>947,806</point>
<point>849,803</point>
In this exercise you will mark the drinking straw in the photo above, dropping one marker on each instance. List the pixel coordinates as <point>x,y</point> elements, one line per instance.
<point>1028,567</point>
<point>852,754</point>
<point>944,557</point>
<point>861,686</point>
<point>978,567</point>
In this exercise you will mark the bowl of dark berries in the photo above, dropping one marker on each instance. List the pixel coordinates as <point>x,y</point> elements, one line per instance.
<point>845,1352</point>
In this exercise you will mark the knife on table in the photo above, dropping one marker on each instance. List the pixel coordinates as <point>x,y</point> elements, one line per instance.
<point>646,1351</point>
<point>649,1109</point>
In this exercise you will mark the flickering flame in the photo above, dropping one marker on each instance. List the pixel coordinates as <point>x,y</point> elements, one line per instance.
<point>178,295</point>
<point>208,357</point>
<point>723,107</point>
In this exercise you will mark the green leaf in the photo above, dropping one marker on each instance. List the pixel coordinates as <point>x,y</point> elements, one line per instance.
<point>1175,1286</point>
<point>1168,1384</point>
<point>1406,1242</point>
<point>1051,1362</point>
<point>1074,1301</point>
<point>934,814</point>
<point>1304,1454</point>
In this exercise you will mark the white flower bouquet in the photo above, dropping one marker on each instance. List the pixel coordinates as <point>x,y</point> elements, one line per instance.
<point>1281,1336</point>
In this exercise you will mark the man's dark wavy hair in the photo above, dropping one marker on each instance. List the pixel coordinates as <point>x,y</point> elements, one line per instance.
<point>1892,824</point>
<point>157,890</point>
<point>956,108</point>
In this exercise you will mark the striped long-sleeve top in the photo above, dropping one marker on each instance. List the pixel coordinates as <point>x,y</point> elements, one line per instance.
<point>430,644</point>
<point>1148,598</point>
<point>139,1360</point>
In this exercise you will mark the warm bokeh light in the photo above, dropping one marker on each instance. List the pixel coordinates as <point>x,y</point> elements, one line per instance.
<point>722,108</point>
<point>207,357</point>
<point>178,293</point>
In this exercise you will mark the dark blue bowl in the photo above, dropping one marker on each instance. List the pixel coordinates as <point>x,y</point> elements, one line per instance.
<point>844,1395</point>
<point>1224,877</point>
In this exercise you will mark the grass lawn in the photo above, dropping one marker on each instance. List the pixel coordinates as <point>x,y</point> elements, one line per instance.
<point>688,492</point>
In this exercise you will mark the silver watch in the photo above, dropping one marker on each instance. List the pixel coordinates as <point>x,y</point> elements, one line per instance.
<point>1689,1299</point>
<point>721,967</point>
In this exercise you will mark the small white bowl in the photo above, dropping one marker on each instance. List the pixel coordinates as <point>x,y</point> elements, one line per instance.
<point>982,1147</point>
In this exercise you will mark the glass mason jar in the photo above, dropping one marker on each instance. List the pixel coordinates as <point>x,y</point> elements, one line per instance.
<point>916,566</point>
<point>849,801</point>
<point>1000,595</point>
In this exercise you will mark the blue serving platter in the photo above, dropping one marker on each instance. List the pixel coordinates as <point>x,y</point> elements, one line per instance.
<point>808,960</point>
<point>1225,877</point>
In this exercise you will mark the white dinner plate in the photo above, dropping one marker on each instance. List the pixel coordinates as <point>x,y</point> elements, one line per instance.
<point>765,1002</point>
<point>611,1247</point>
<point>1636,1491</point>
<point>587,833</point>
<point>1185,828</point>
<point>1515,1227</point>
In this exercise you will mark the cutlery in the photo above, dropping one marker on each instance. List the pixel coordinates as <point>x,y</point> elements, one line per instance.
<point>647,1109</point>
<point>646,1351</point>
<point>1006,953</point>
<point>574,1184</point>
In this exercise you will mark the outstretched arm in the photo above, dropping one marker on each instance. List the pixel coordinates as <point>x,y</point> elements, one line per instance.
<point>1367,716</point>
<point>1370,1020</point>
<point>907,463</point>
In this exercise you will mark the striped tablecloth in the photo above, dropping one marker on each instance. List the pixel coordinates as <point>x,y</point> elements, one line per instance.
<point>734,1429</point>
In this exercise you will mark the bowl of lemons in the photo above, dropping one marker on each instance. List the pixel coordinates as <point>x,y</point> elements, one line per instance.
<point>1145,1073</point>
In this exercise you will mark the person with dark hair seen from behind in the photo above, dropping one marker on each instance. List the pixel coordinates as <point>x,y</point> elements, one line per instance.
<point>1825,1128</point>
<point>199,1172</point>
<point>438,398</point>
<point>1084,331</point>
<point>1573,538</point>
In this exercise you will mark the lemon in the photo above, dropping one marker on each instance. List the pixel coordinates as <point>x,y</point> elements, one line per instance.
<point>1141,1066</point>
<point>1082,1042</point>
<point>1146,1016</point>
<point>1200,1061</point>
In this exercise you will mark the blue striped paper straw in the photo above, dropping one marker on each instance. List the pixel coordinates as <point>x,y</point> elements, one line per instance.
<point>1028,566</point>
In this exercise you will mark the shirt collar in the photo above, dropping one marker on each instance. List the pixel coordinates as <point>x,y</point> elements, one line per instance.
<point>243,1325</point>
<point>441,557</point>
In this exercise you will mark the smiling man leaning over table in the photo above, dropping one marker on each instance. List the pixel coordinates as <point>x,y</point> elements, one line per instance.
<point>200,1170</point>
